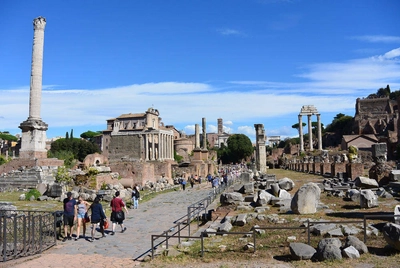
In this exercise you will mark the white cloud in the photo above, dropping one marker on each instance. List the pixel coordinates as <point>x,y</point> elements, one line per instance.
<point>332,87</point>
<point>390,55</point>
<point>212,129</point>
<point>189,129</point>
<point>247,130</point>
<point>227,130</point>
<point>228,31</point>
<point>378,38</point>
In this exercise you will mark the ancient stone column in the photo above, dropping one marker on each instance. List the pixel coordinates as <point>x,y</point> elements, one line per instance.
<point>319,132</point>
<point>33,140</point>
<point>36,68</point>
<point>301,133</point>
<point>310,132</point>
<point>146,146</point>
<point>160,147</point>
<point>261,153</point>
<point>197,136</point>
<point>153,147</point>
<point>204,133</point>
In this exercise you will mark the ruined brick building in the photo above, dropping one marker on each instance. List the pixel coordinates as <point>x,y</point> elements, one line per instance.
<point>379,117</point>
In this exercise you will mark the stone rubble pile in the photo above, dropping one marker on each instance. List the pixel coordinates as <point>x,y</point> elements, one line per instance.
<point>329,247</point>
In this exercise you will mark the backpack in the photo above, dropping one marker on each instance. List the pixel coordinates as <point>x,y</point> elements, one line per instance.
<point>137,194</point>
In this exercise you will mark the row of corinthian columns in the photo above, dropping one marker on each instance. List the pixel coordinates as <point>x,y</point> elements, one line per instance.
<point>165,148</point>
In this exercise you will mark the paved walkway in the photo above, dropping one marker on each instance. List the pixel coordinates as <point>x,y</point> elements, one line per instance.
<point>152,217</point>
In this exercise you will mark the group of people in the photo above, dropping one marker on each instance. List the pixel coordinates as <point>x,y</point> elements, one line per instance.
<point>77,211</point>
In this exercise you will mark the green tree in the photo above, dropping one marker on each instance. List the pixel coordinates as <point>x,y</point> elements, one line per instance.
<point>341,124</point>
<point>394,95</point>
<point>66,135</point>
<point>72,134</point>
<point>314,126</point>
<point>90,135</point>
<point>67,156</point>
<point>239,148</point>
<point>296,126</point>
<point>383,92</point>
<point>79,148</point>
<point>7,136</point>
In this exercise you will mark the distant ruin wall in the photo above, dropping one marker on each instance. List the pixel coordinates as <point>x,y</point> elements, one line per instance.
<point>140,172</point>
<point>375,116</point>
<point>124,147</point>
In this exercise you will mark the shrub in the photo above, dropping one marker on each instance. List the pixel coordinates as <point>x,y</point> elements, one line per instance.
<point>63,175</point>
<point>33,192</point>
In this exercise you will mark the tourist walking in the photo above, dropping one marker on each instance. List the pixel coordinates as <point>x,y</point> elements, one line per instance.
<point>135,197</point>
<point>98,217</point>
<point>215,183</point>
<point>209,178</point>
<point>191,180</point>
<point>117,214</point>
<point>183,182</point>
<point>69,216</point>
<point>81,216</point>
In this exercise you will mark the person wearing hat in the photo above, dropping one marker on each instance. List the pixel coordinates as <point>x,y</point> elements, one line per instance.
<point>70,211</point>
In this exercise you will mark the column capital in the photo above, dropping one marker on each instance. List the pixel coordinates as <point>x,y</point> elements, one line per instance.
<point>39,23</point>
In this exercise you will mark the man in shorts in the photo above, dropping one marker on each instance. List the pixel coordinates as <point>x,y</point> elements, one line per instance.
<point>70,212</point>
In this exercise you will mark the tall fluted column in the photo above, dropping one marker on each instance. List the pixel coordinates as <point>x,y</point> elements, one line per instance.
<point>301,133</point>
<point>146,147</point>
<point>197,136</point>
<point>33,140</point>
<point>310,139</point>
<point>319,132</point>
<point>204,133</point>
<point>36,68</point>
<point>152,147</point>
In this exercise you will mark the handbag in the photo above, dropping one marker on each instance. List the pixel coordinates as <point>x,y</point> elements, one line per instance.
<point>106,224</point>
<point>87,218</point>
<point>120,215</point>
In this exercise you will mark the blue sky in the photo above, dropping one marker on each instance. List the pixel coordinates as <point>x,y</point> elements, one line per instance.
<point>246,61</point>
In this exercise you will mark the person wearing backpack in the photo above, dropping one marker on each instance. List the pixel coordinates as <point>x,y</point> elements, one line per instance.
<point>135,197</point>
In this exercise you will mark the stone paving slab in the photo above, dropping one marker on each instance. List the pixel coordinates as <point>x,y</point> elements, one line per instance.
<point>153,217</point>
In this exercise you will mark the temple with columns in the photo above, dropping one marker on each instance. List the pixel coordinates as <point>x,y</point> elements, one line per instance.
<point>140,137</point>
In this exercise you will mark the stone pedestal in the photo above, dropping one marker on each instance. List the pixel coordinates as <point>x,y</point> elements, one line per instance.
<point>317,168</point>
<point>338,167</point>
<point>33,139</point>
<point>354,170</point>
<point>204,154</point>
<point>325,168</point>
<point>197,154</point>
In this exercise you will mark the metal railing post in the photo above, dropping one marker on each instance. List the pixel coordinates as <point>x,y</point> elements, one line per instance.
<point>15,235</point>
<point>254,239</point>
<point>166,239</point>
<point>4,221</point>
<point>41,233</point>
<point>24,234</point>
<point>202,244</point>
<point>152,246</point>
<point>179,232</point>
<point>365,229</point>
